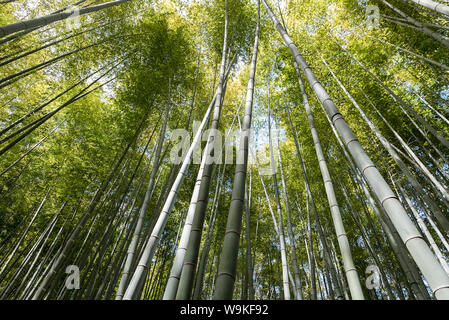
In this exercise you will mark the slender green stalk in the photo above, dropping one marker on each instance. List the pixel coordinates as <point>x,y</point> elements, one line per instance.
<point>421,253</point>
<point>224,285</point>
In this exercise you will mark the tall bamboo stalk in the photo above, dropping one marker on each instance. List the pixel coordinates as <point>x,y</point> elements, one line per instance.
<point>193,247</point>
<point>134,287</point>
<point>291,236</point>
<point>146,202</point>
<point>421,253</point>
<point>285,280</point>
<point>389,147</point>
<point>432,5</point>
<point>224,285</point>
<point>45,20</point>
<point>348,263</point>
<point>173,281</point>
<point>43,287</point>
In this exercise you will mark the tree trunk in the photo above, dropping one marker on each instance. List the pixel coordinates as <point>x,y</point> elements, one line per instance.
<point>42,290</point>
<point>144,208</point>
<point>45,20</point>
<point>193,247</point>
<point>228,263</point>
<point>345,250</point>
<point>297,276</point>
<point>429,265</point>
<point>279,212</point>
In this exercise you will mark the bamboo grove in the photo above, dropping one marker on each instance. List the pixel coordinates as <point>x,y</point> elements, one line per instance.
<point>315,165</point>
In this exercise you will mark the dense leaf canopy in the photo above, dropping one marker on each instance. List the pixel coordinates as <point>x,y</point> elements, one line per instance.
<point>89,110</point>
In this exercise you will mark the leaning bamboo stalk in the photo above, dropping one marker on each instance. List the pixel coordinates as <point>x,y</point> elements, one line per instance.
<point>348,262</point>
<point>8,80</point>
<point>44,285</point>
<point>438,164</point>
<point>27,53</point>
<point>435,210</point>
<point>424,229</point>
<point>367,194</point>
<point>49,251</point>
<point>40,243</point>
<point>312,202</point>
<point>193,247</point>
<point>389,147</point>
<point>442,189</point>
<point>228,263</point>
<point>443,66</point>
<point>38,122</point>
<point>285,280</point>
<point>43,105</point>
<point>434,109</point>
<point>421,253</point>
<point>414,284</point>
<point>432,5</point>
<point>143,210</point>
<point>401,103</point>
<point>403,21</point>
<point>418,25</point>
<point>151,244</point>
<point>175,273</point>
<point>25,32</point>
<point>45,20</point>
<point>31,149</point>
<point>297,278</point>
<point>24,233</point>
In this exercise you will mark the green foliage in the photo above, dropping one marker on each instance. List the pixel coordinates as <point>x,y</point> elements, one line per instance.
<point>149,51</point>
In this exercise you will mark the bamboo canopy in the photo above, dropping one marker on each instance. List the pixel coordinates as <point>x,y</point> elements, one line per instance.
<point>224,150</point>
